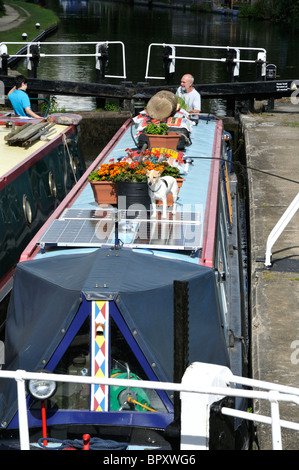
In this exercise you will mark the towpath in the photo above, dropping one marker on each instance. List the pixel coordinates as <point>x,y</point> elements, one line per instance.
<point>11,19</point>
<point>272,146</point>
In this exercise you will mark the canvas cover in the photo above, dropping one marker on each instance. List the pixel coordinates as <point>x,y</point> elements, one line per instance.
<point>48,292</point>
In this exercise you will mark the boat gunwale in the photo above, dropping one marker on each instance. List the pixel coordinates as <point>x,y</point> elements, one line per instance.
<point>210,221</point>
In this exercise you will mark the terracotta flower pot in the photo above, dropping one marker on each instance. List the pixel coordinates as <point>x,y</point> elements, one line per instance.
<point>105,192</point>
<point>168,141</point>
<point>169,196</point>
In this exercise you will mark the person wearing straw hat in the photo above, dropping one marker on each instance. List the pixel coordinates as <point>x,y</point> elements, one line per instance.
<point>188,93</point>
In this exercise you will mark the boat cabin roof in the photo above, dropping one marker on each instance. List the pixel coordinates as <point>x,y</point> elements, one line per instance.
<point>14,156</point>
<point>76,224</point>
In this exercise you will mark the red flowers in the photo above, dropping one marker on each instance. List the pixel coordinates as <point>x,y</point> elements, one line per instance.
<point>133,167</point>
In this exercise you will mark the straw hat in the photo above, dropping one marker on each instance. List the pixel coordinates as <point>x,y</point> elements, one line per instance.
<point>162,105</point>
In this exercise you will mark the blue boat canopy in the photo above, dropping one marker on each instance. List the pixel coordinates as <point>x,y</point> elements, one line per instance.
<point>48,292</point>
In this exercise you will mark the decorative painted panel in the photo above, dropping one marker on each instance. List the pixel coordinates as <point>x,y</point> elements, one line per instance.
<point>100,354</point>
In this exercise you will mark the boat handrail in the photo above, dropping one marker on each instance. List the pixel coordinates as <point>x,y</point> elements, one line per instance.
<point>261,56</point>
<point>97,54</point>
<point>215,381</point>
<point>279,228</point>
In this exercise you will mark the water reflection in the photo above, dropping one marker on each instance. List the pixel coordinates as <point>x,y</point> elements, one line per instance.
<point>73,7</point>
<point>138,26</point>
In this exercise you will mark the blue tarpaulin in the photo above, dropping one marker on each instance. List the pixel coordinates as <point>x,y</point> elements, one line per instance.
<point>48,292</point>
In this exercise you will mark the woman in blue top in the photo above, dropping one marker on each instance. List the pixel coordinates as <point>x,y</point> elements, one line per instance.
<point>19,98</point>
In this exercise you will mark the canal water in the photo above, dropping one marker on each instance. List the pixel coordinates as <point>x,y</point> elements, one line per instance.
<point>138,26</point>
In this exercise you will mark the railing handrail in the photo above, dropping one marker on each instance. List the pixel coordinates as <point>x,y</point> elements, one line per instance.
<point>29,55</point>
<point>274,393</point>
<point>173,57</point>
<point>279,228</point>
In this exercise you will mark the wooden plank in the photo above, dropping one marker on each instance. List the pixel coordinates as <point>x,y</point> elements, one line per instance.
<point>27,133</point>
<point>16,131</point>
<point>237,90</point>
<point>36,136</point>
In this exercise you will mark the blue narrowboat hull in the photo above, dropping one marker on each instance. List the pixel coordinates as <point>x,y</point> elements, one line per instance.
<point>104,309</point>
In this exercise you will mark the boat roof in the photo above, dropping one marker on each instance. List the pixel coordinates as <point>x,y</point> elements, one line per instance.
<point>14,157</point>
<point>80,213</point>
<point>195,192</point>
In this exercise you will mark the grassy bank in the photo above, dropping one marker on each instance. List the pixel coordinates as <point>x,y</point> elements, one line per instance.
<point>31,14</point>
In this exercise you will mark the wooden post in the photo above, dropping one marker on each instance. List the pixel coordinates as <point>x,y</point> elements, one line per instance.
<point>181,336</point>
<point>231,55</point>
<point>33,63</point>
<point>101,62</point>
<point>167,51</point>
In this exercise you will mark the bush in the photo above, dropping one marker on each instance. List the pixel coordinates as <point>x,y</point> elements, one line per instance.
<point>286,11</point>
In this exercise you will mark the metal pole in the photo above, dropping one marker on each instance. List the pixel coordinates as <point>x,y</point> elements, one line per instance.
<point>44,421</point>
<point>23,418</point>
<point>275,420</point>
<point>279,228</point>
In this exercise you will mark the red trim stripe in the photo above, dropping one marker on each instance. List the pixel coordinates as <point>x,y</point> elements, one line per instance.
<point>210,221</point>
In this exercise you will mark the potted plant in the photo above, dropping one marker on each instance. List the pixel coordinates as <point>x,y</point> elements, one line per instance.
<point>131,169</point>
<point>103,186</point>
<point>158,135</point>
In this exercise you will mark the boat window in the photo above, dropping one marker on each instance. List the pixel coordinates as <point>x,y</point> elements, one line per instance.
<point>124,365</point>
<point>27,209</point>
<point>75,361</point>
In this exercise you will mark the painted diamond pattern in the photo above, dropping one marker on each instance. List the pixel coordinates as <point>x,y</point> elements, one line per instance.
<point>100,357</point>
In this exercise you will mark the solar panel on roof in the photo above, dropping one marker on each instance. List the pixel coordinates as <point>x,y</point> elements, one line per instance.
<point>86,228</point>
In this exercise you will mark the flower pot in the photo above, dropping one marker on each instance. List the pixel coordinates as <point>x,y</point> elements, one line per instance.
<point>135,193</point>
<point>105,192</point>
<point>169,196</point>
<point>168,141</point>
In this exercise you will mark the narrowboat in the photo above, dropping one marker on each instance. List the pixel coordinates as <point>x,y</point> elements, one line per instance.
<point>40,162</point>
<point>108,290</point>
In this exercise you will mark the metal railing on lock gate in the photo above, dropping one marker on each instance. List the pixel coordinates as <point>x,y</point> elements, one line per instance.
<point>201,386</point>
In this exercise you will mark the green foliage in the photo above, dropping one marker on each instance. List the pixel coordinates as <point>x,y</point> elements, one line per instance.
<point>170,171</point>
<point>284,11</point>
<point>2,9</point>
<point>53,107</point>
<point>156,129</point>
<point>112,107</point>
<point>182,103</point>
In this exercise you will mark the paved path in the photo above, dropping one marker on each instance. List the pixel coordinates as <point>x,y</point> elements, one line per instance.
<point>272,145</point>
<point>11,19</point>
